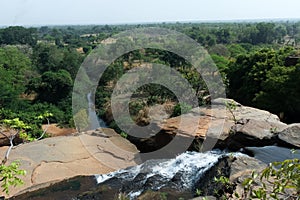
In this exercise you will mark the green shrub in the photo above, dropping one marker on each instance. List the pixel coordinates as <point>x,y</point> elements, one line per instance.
<point>280,180</point>
<point>231,107</point>
<point>181,108</point>
<point>9,175</point>
<point>135,107</point>
<point>123,134</point>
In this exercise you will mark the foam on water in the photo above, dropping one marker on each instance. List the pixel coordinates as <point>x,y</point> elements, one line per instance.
<point>190,166</point>
<point>129,174</point>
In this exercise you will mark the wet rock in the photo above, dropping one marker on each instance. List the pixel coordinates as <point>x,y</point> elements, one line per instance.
<point>184,174</point>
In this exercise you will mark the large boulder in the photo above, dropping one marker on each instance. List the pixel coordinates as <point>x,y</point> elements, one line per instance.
<point>236,128</point>
<point>252,126</point>
<point>254,132</point>
<point>243,167</point>
<point>58,158</point>
<point>291,135</point>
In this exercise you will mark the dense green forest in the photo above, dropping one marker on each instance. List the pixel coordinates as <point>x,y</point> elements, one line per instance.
<point>258,62</point>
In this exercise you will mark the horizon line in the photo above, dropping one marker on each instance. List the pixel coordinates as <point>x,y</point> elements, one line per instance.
<point>253,20</point>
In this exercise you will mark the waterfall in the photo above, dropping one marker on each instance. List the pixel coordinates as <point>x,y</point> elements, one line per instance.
<point>95,121</point>
<point>182,172</point>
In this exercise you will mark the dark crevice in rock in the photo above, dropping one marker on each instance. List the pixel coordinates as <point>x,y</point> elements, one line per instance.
<point>153,143</point>
<point>286,144</point>
<point>240,140</point>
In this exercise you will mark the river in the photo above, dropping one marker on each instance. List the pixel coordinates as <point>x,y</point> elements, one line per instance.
<point>95,121</point>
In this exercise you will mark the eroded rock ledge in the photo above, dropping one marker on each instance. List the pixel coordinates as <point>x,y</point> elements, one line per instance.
<point>251,127</point>
<point>59,158</point>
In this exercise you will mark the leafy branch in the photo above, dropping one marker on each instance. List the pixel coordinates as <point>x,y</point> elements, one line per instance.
<point>13,127</point>
<point>231,107</point>
<point>45,116</point>
<point>280,180</point>
<point>9,175</point>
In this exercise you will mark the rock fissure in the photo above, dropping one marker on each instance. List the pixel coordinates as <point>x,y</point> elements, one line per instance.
<point>33,173</point>
<point>112,154</point>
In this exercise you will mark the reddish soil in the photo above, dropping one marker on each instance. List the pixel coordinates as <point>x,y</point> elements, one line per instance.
<point>53,130</point>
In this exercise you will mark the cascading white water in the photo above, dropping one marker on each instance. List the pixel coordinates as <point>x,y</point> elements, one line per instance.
<point>185,168</point>
<point>96,122</point>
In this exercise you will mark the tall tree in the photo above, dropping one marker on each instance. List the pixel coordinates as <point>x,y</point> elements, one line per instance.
<point>52,87</point>
<point>18,35</point>
<point>14,71</point>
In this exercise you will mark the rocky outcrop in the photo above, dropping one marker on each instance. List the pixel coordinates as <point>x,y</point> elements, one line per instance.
<point>175,178</point>
<point>58,158</point>
<point>291,135</point>
<point>233,129</point>
<point>103,151</point>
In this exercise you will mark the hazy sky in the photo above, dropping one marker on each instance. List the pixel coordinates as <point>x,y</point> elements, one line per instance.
<point>42,12</point>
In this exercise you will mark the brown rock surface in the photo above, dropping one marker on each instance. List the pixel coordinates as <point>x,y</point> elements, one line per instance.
<point>58,158</point>
<point>252,126</point>
<point>243,166</point>
<point>198,122</point>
